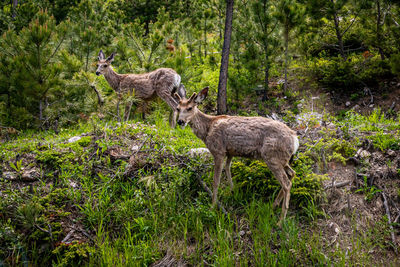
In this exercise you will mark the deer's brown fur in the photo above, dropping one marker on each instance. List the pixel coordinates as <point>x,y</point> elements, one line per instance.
<point>161,82</point>
<point>251,137</point>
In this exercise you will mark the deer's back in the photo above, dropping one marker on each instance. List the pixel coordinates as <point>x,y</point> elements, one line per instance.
<point>147,84</point>
<point>249,136</point>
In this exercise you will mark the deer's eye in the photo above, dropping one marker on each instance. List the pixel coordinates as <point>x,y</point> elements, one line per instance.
<point>189,109</point>
<point>105,66</point>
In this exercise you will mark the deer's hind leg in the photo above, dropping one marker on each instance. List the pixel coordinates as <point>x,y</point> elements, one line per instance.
<point>290,173</point>
<point>228,170</point>
<point>280,174</point>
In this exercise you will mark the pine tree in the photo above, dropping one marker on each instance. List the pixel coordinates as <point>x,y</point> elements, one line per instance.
<point>264,29</point>
<point>289,15</point>
<point>36,70</point>
<point>341,15</point>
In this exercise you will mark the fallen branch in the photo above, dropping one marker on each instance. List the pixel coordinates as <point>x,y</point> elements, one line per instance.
<point>48,232</point>
<point>337,185</point>
<point>85,234</point>
<point>386,205</point>
<point>67,236</point>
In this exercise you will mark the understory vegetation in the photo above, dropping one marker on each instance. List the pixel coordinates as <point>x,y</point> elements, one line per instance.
<point>80,185</point>
<point>128,194</point>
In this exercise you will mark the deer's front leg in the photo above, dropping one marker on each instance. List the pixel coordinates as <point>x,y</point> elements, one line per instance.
<point>119,100</point>
<point>218,163</point>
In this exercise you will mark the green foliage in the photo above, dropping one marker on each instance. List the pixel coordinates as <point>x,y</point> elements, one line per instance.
<point>395,64</point>
<point>369,191</point>
<point>256,179</point>
<point>350,75</point>
<point>336,73</point>
<point>74,253</point>
<point>385,141</point>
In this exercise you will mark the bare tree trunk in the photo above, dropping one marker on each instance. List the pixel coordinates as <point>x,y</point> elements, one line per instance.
<point>378,28</point>
<point>15,4</point>
<point>286,34</point>
<point>266,81</point>
<point>223,74</point>
<point>205,37</point>
<point>9,105</point>
<point>338,33</point>
<point>40,111</point>
<point>339,37</point>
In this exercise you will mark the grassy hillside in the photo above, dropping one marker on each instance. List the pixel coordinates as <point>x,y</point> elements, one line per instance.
<point>129,194</point>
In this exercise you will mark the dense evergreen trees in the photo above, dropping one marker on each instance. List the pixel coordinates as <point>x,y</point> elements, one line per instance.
<point>48,48</point>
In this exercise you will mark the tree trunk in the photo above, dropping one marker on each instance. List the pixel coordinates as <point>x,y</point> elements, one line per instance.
<point>15,4</point>
<point>40,111</point>
<point>379,36</point>
<point>266,81</point>
<point>339,37</point>
<point>223,74</point>
<point>205,37</point>
<point>9,105</point>
<point>286,36</point>
<point>338,33</point>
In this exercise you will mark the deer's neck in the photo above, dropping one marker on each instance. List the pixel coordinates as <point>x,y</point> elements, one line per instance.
<point>200,124</point>
<point>113,79</point>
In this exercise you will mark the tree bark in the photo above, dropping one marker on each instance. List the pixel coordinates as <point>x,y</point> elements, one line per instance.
<point>15,4</point>
<point>286,34</point>
<point>205,37</point>
<point>266,81</point>
<point>40,111</point>
<point>223,74</point>
<point>338,33</point>
<point>378,29</point>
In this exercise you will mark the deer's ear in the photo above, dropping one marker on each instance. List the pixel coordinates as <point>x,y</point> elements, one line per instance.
<point>181,91</point>
<point>201,96</point>
<point>101,55</point>
<point>111,58</point>
<point>177,97</point>
<point>192,98</point>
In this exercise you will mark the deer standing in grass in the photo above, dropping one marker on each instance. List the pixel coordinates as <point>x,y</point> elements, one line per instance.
<point>251,137</point>
<point>163,82</point>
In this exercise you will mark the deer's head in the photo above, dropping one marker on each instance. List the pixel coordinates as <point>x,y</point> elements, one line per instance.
<point>187,108</point>
<point>104,63</point>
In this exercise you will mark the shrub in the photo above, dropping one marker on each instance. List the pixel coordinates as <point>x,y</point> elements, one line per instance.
<point>335,73</point>
<point>395,64</point>
<point>255,179</point>
<point>347,76</point>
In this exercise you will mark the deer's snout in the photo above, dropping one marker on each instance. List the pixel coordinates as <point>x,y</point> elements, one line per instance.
<point>181,122</point>
<point>98,73</point>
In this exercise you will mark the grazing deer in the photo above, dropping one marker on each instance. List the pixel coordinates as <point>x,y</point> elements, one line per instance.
<point>163,82</point>
<point>251,137</point>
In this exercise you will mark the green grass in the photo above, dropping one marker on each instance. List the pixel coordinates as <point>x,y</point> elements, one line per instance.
<point>159,208</point>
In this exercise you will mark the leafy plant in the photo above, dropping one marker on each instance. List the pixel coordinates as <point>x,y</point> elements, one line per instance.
<point>368,191</point>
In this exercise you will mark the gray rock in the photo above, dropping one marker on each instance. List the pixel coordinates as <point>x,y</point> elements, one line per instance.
<point>10,175</point>
<point>30,175</point>
<point>74,139</point>
<point>391,152</point>
<point>364,154</point>
<point>200,152</point>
